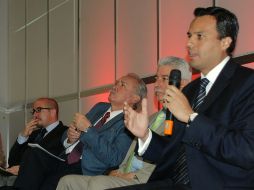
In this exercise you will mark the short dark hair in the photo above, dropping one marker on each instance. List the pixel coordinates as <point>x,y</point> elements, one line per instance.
<point>226,21</point>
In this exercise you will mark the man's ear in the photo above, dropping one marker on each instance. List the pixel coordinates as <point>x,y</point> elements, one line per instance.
<point>184,82</point>
<point>135,99</point>
<point>225,42</point>
<point>53,112</point>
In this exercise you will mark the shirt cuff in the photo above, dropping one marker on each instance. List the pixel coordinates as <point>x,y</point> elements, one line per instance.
<point>143,145</point>
<point>69,147</point>
<point>21,139</point>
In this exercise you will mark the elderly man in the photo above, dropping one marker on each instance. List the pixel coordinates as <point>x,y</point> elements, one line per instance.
<point>133,169</point>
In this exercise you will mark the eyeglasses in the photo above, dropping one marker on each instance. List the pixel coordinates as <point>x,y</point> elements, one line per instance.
<point>38,110</point>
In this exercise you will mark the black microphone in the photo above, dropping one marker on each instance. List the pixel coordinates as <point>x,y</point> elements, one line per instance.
<point>174,79</point>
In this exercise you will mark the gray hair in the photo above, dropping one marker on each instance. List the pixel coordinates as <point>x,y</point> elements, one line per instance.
<point>177,63</point>
<point>141,89</point>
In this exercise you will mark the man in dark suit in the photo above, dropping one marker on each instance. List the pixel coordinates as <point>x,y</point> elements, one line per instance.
<point>45,118</point>
<point>212,145</point>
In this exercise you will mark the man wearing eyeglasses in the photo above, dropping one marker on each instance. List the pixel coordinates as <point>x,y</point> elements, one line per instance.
<point>44,129</point>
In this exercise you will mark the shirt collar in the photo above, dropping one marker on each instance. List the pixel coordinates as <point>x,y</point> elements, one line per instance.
<point>214,73</point>
<point>52,126</point>
<point>113,113</point>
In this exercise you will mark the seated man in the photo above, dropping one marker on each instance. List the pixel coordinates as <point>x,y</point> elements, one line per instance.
<point>212,146</point>
<point>103,147</point>
<point>133,169</point>
<point>45,120</point>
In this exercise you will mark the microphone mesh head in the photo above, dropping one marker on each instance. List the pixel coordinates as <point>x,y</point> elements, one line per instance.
<point>175,78</point>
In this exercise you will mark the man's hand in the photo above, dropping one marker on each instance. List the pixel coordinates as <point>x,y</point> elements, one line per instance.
<point>14,170</point>
<point>73,134</point>
<point>30,127</point>
<point>136,122</point>
<point>127,176</point>
<point>81,122</point>
<point>177,103</point>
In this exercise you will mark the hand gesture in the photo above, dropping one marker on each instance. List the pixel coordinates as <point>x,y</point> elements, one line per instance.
<point>127,176</point>
<point>14,170</point>
<point>136,122</point>
<point>30,127</point>
<point>73,134</point>
<point>81,122</point>
<point>177,103</point>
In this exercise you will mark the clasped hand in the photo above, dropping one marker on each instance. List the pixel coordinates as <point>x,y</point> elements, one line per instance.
<point>79,123</point>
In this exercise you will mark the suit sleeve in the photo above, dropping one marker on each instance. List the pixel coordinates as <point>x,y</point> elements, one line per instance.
<point>111,152</point>
<point>16,153</point>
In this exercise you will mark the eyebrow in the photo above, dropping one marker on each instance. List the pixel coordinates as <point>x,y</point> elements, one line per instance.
<point>197,32</point>
<point>123,82</point>
<point>162,75</point>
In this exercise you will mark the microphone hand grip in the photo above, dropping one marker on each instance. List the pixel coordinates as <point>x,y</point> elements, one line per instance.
<point>168,128</point>
<point>175,80</point>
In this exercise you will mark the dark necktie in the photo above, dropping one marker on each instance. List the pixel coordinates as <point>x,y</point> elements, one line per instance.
<point>100,123</point>
<point>76,153</point>
<point>201,94</point>
<point>40,135</point>
<point>181,170</point>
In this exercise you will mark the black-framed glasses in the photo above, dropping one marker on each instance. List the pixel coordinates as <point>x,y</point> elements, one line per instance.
<point>38,110</point>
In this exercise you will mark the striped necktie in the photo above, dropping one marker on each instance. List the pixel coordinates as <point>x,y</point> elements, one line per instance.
<point>201,94</point>
<point>181,170</point>
<point>160,118</point>
<point>155,124</point>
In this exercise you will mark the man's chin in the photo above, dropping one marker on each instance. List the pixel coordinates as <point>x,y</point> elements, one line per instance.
<point>39,126</point>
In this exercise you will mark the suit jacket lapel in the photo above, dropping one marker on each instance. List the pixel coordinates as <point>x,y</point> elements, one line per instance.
<point>220,84</point>
<point>99,114</point>
<point>111,123</point>
<point>52,134</point>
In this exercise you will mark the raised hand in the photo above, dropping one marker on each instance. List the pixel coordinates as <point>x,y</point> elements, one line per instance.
<point>30,127</point>
<point>73,134</point>
<point>81,122</point>
<point>177,103</point>
<point>137,122</point>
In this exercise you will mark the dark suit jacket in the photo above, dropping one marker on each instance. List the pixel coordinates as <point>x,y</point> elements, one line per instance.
<point>219,143</point>
<point>51,142</point>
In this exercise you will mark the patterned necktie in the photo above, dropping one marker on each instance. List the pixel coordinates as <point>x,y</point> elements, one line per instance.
<point>181,170</point>
<point>158,121</point>
<point>100,123</point>
<point>201,94</point>
<point>40,135</point>
<point>160,118</point>
<point>76,153</point>
<point>129,162</point>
